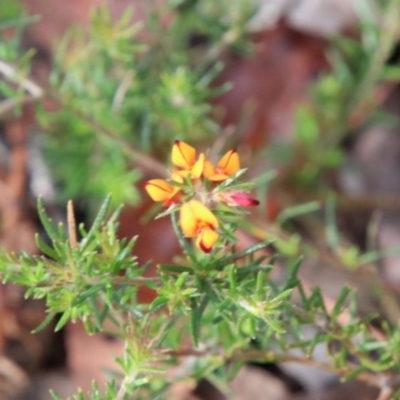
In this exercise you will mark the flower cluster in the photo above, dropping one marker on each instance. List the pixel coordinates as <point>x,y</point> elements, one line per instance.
<point>199,186</point>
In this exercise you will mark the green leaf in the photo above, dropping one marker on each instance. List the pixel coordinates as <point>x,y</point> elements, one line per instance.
<point>232,280</point>
<point>274,325</point>
<point>297,211</point>
<point>44,323</point>
<point>63,320</point>
<point>293,270</point>
<point>194,323</point>
<point>282,296</point>
<point>158,303</point>
<point>46,221</point>
<point>88,293</point>
<point>260,283</point>
<point>197,311</point>
<point>315,301</point>
<point>243,272</point>
<point>221,263</point>
<point>337,309</point>
<point>330,220</point>
<point>45,248</point>
<point>99,220</point>
<point>233,369</point>
<point>178,269</point>
<point>55,396</point>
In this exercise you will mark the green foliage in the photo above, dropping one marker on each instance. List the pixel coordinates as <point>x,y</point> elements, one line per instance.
<point>226,302</point>
<point>75,280</point>
<point>96,393</point>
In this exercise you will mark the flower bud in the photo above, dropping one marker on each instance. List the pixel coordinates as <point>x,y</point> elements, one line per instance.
<point>236,199</point>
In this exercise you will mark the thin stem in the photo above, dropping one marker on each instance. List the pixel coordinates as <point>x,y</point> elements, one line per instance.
<point>182,241</point>
<point>14,75</point>
<point>123,388</point>
<point>33,91</point>
<point>385,393</point>
<point>121,280</point>
<point>374,379</point>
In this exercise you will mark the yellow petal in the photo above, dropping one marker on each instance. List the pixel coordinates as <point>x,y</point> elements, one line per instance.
<point>159,189</point>
<point>198,167</point>
<point>177,176</point>
<point>230,162</point>
<point>188,220</point>
<point>183,155</point>
<point>203,214</point>
<point>182,173</point>
<point>207,239</point>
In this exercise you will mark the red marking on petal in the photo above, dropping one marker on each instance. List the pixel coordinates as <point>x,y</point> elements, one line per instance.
<point>204,248</point>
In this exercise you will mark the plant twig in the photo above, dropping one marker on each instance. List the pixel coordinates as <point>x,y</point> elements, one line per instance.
<point>373,379</point>
<point>34,91</point>
<point>14,75</point>
<point>71,225</point>
<point>385,393</point>
<point>123,388</point>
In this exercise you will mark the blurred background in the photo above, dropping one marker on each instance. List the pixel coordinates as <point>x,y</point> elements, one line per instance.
<point>94,92</point>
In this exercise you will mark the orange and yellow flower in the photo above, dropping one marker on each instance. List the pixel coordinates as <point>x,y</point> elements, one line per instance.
<point>161,190</point>
<point>227,166</point>
<point>197,221</point>
<point>185,157</point>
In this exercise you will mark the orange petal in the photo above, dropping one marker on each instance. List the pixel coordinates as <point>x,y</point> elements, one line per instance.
<point>183,155</point>
<point>218,177</point>
<point>207,239</point>
<point>188,220</point>
<point>203,214</point>
<point>230,162</point>
<point>159,189</point>
<point>198,167</point>
<point>208,169</point>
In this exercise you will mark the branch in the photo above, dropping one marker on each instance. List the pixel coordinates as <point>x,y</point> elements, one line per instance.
<point>34,91</point>
<point>373,379</point>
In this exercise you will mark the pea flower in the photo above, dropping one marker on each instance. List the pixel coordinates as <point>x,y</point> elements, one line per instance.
<point>234,198</point>
<point>227,166</point>
<point>197,221</point>
<point>184,157</point>
<point>161,190</point>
